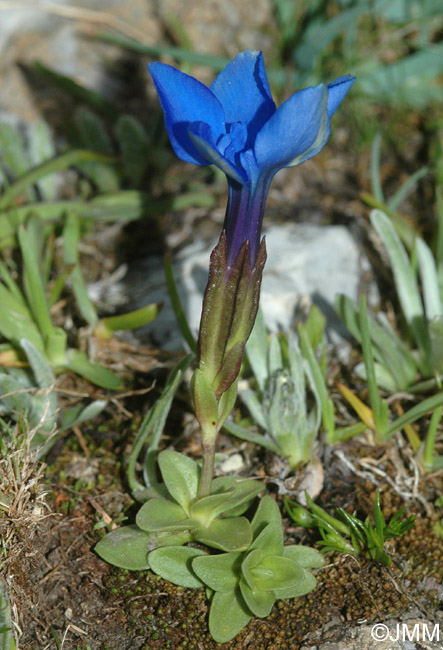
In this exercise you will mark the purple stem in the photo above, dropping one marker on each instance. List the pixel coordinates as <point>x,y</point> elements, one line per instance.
<point>244,215</point>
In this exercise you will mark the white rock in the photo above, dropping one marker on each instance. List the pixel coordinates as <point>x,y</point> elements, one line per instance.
<point>306,263</point>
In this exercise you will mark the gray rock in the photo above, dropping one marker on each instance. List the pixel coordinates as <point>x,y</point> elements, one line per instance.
<point>413,634</point>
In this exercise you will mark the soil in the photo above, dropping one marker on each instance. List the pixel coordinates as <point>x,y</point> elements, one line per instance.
<point>65,596</point>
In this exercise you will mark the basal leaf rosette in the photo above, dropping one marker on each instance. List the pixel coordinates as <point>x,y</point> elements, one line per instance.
<point>247,584</point>
<point>213,520</point>
<point>181,517</point>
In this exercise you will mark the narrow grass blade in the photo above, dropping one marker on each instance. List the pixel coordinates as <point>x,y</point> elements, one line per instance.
<point>34,289</point>
<point>327,405</point>
<point>177,305</point>
<point>250,436</point>
<point>429,450</point>
<point>78,362</point>
<point>7,641</point>
<point>138,318</point>
<point>407,186</point>
<point>71,239</point>
<point>416,412</point>
<point>378,406</point>
<point>89,97</point>
<point>375,169</point>
<point>256,351</point>
<point>65,160</point>
<point>429,279</point>
<point>364,412</point>
<point>153,425</point>
<point>406,284</point>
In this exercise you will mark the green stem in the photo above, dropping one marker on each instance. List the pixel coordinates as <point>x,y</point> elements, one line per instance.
<point>204,488</point>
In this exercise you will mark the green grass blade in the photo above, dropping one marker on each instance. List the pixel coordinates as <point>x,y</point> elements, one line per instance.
<point>378,406</point>
<point>34,289</point>
<point>177,305</point>
<point>416,412</point>
<point>429,280</point>
<point>407,186</point>
<point>429,449</point>
<point>405,282</point>
<point>327,406</point>
<point>256,351</point>
<point>250,436</point>
<point>130,321</point>
<point>375,169</point>
<point>7,641</point>
<point>89,97</point>
<point>71,240</point>
<point>79,363</point>
<point>65,160</point>
<point>16,320</point>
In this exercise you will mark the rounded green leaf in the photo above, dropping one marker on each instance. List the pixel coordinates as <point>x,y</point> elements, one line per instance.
<point>181,475</point>
<point>267,513</point>
<point>125,547</point>
<point>250,561</point>
<point>207,508</point>
<point>270,540</point>
<point>233,534</point>
<point>259,602</point>
<point>161,514</point>
<point>174,563</point>
<point>276,572</point>
<point>305,556</point>
<point>228,615</point>
<point>219,572</point>
<point>307,584</point>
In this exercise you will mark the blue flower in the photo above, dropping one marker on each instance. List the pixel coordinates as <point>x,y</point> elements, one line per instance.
<point>236,126</point>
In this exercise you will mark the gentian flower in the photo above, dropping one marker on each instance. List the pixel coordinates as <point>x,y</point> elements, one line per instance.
<point>236,126</point>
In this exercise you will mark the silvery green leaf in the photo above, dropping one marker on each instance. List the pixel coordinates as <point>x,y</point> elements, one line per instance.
<point>7,641</point>
<point>254,406</point>
<point>174,563</point>
<point>429,279</point>
<point>436,335</point>
<point>134,147</point>
<point>245,490</point>
<point>75,417</point>
<point>275,360</point>
<point>41,148</point>
<point>404,277</point>
<point>251,436</point>
<point>256,351</point>
<point>41,369</point>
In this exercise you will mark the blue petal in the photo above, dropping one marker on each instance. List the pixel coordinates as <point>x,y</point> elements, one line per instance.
<point>202,138</point>
<point>337,91</point>
<point>185,100</point>
<point>243,91</point>
<point>297,131</point>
